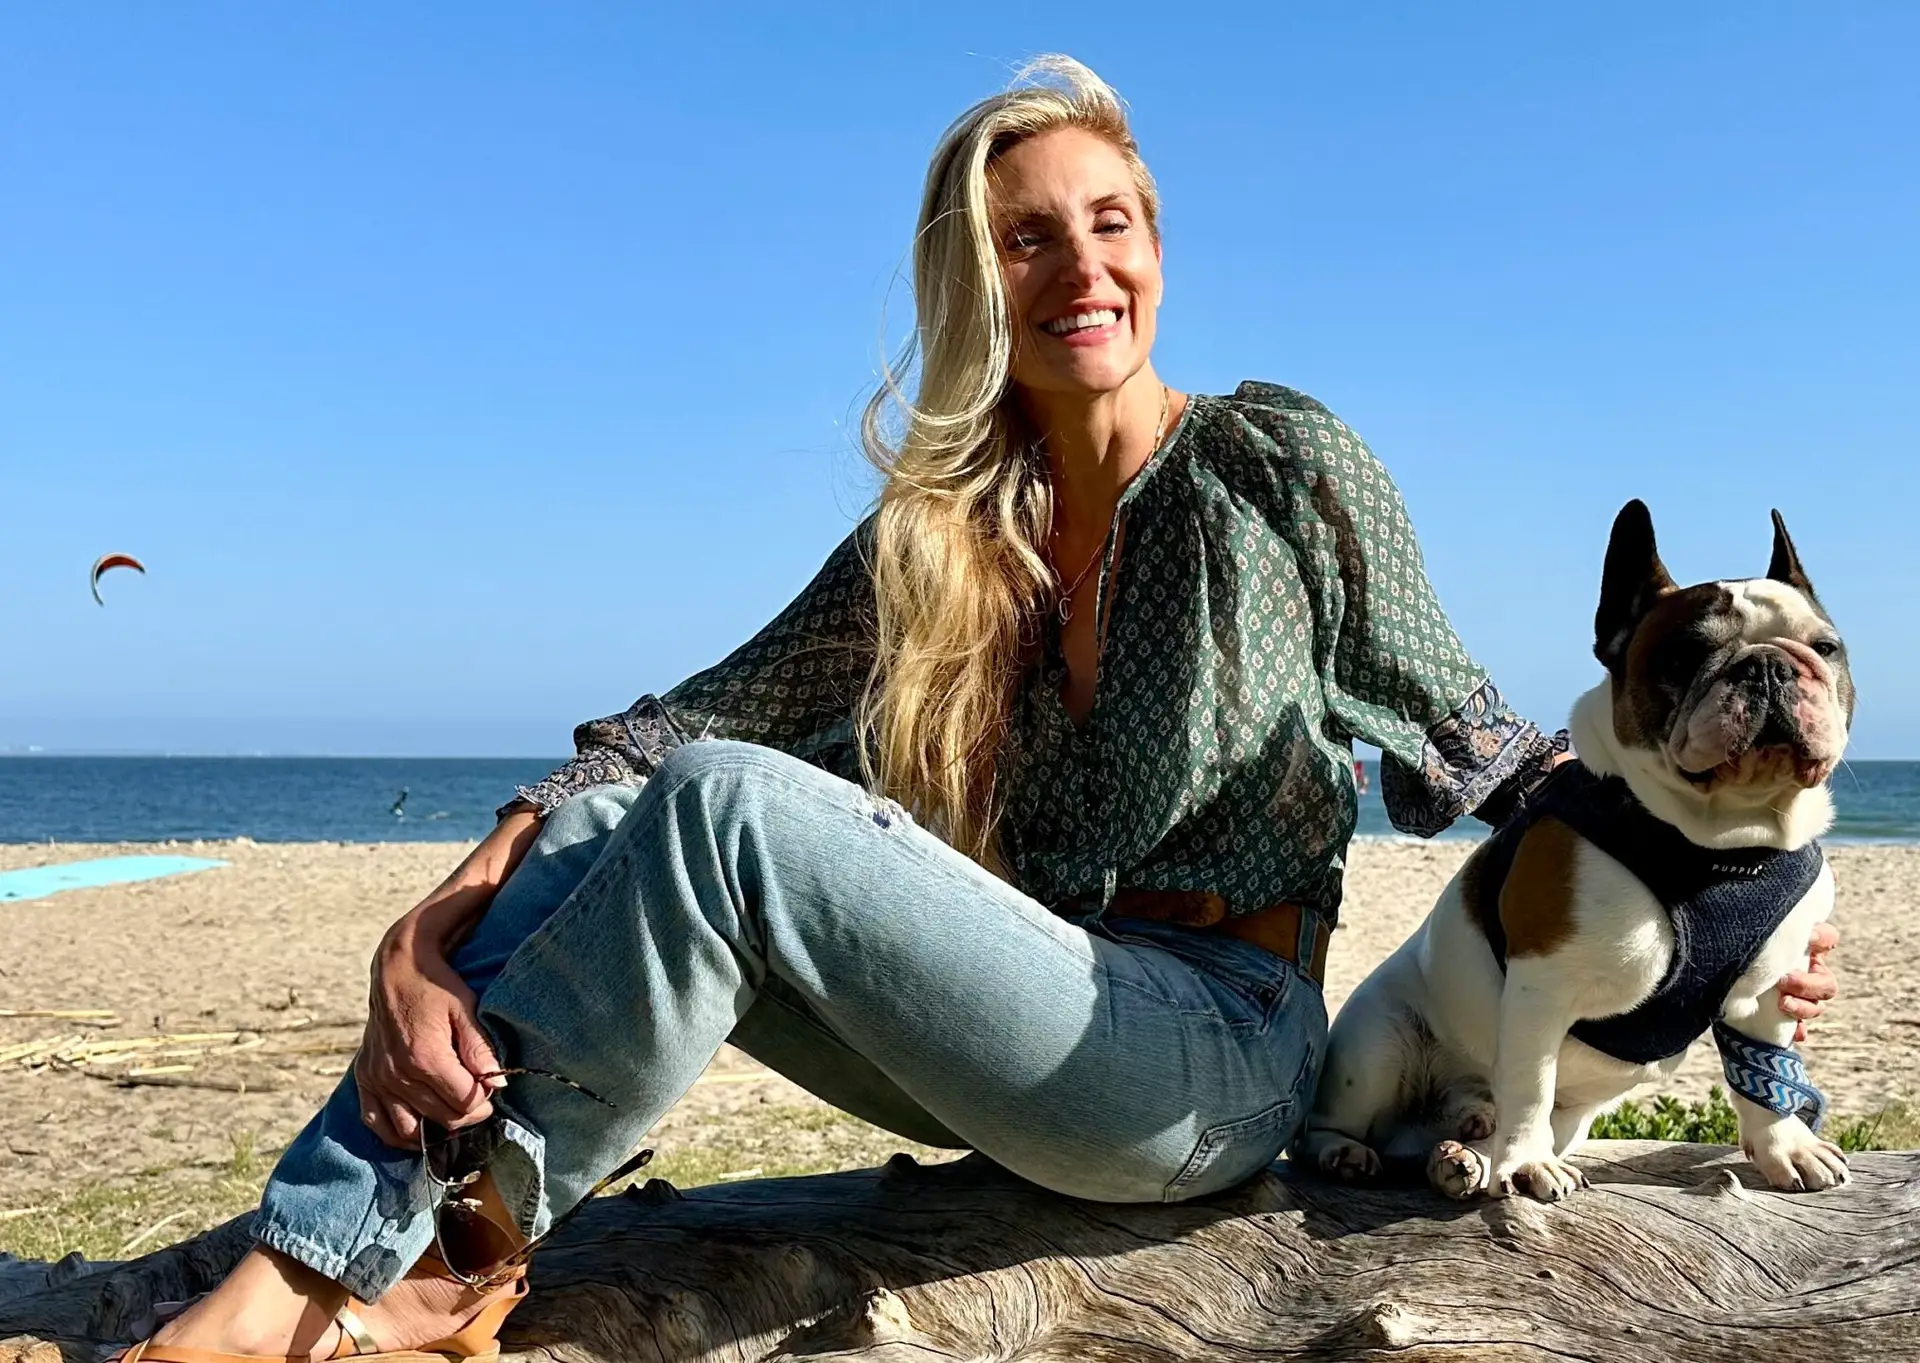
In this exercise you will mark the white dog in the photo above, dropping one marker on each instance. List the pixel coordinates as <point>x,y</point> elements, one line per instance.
<point>1645,895</point>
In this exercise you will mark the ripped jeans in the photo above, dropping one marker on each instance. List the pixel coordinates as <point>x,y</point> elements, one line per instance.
<point>742,895</point>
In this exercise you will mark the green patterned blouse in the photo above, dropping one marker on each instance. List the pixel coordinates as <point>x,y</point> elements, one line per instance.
<point>1270,608</point>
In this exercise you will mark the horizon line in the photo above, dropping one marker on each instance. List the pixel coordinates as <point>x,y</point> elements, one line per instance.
<point>30,752</point>
<point>162,754</point>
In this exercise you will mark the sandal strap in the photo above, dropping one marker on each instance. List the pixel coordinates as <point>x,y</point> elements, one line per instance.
<point>355,1338</point>
<point>477,1336</point>
<point>481,1333</point>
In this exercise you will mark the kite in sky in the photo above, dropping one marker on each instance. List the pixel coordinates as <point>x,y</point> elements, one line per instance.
<point>107,561</point>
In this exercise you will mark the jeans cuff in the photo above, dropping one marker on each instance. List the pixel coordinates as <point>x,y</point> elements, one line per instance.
<point>367,1276</point>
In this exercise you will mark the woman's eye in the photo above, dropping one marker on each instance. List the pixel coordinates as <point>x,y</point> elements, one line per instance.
<point>1110,225</point>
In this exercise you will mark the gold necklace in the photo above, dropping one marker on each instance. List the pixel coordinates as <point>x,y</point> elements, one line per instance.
<point>1159,433</point>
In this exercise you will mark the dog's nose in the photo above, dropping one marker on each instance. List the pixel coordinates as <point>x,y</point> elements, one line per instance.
<point>1783,681</point>
<point>1773,685</point>
<point>1764,669</point>
<point>1750,672</point>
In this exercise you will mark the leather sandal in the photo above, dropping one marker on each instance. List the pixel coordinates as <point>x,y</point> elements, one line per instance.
<point>498,1259</point>
<point>477,1341</point>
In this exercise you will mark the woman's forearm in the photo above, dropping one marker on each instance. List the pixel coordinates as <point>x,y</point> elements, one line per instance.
<point>445,916</point>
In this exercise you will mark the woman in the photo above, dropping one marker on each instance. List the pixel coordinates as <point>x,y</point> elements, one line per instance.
<point>1109,643</point>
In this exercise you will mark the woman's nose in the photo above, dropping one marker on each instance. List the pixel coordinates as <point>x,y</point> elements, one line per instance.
<point>1082,263</point>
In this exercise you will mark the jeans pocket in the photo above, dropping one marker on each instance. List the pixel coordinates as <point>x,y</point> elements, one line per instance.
<point>1232,1152</point>
<point>1250,986</point>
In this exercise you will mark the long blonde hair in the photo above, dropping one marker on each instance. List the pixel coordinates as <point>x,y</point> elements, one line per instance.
<point>960,579</point>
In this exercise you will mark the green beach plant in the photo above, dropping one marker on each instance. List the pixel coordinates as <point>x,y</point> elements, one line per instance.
<point>1713,1122</point>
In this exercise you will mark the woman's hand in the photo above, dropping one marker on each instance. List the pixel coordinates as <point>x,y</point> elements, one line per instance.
<point>1804,993</point>
<point>424,1054</point>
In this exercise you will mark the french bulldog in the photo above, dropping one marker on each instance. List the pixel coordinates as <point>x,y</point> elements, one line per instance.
<point>1651,892</point>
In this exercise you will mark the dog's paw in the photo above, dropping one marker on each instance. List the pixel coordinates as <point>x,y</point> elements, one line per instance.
<point>1348,1160</point>
<point>1542,1177</point>
<point>1457,1170</point>
<point>1466,1109</point>
<point>1475,1123</point>
<point>1794,1160</point>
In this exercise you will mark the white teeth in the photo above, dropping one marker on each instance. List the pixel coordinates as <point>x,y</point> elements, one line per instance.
<point>1081,321</point>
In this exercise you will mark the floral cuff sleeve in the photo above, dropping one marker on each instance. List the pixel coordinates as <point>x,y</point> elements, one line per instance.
<point>619,750</point>
<point>1482,760</point>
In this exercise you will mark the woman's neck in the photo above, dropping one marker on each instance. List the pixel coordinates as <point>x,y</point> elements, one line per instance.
<point>1095,445</point>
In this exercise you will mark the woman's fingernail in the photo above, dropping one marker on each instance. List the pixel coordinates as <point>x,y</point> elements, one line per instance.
<point>496,1082</point>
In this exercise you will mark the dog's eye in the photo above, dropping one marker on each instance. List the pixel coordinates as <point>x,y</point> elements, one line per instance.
<point>1826,648</point>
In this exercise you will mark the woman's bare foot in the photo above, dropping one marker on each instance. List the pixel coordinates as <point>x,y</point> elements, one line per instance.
<point>275,1306</point>
<point>269,1305</point>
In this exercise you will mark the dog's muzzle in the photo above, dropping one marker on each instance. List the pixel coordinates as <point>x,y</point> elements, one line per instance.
<point>1770,684</point>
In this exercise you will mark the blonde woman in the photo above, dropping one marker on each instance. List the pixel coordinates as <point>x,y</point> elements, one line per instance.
<point>1021,829</point>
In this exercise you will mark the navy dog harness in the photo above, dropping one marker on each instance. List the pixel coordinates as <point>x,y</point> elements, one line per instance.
<point>1724,904</point>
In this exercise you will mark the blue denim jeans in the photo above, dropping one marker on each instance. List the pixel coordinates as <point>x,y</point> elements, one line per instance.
<point>742,895</point>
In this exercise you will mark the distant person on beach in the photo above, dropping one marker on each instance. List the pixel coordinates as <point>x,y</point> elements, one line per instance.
<point>1359,777</point>
<point>1021,829</point>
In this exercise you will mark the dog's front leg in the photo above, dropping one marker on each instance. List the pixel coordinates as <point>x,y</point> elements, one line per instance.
<point>1535,1013</point>
<point>1781,1146</point>
<point>1570,1126</point>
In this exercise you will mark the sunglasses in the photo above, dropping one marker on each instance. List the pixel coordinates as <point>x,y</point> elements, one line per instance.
<point>455,1160</point>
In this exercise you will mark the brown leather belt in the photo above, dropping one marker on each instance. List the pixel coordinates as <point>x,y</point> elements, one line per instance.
<point>1275,928</point>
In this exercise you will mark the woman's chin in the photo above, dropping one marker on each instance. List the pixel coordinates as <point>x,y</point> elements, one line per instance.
<point>1095,376</point>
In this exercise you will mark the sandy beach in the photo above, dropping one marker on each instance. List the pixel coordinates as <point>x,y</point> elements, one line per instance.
<point>256,971</point>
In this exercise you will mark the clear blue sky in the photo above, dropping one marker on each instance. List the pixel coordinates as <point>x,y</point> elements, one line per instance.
<point>463,371</point>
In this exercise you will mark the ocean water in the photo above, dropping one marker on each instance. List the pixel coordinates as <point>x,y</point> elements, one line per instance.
<point>1874,801</point>
<point>313,799</point>
<point>268,799</point>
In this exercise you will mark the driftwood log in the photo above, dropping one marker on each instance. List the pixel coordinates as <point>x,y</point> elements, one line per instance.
<point>1677,1255</point>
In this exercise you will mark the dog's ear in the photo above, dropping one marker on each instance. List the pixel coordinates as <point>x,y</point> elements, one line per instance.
<point>1632,581</point>
<point>1786,560</point>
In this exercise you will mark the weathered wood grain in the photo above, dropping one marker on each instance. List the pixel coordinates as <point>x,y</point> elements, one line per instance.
<point>1677,1255</point>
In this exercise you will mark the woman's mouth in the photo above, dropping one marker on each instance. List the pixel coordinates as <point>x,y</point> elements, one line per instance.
<point>1084,328</point>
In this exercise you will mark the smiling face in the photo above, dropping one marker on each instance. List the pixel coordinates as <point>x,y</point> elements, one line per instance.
<point>1741,688</point>
<point>1082,262</point>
